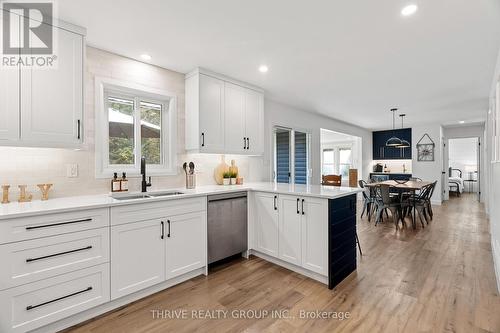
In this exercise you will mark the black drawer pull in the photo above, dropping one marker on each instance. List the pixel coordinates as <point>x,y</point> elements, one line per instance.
<point>303,207</point>
<point>203,139</point>
<point>59,254</point>
<point>162,230</point>
<point>298,211</point>
<point>275,203</point>
<point>168,232</point>
<point>31,307</point>
<point>56,224</point>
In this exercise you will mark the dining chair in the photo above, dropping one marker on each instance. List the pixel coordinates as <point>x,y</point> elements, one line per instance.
<point>368,199</point>
<point>332,180</point>
<point>419,201</point>
<point>428,208</point>
<point>384,202</point>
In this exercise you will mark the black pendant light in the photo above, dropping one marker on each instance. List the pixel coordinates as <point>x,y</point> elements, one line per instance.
<point>393,141</point>
<point>404,143</point>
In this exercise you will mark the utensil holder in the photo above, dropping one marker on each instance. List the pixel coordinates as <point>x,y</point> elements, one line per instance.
<point>190,181</point>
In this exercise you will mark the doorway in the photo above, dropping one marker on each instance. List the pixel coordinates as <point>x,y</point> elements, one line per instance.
<point>464,167</point>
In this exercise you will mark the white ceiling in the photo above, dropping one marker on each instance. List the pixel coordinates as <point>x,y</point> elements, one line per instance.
<point>327,136</point>
<point>351,60</point>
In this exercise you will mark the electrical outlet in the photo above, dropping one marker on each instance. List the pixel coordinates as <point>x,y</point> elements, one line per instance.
<point>72,170</point>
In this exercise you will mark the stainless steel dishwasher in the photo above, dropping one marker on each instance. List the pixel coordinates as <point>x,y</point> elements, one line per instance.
<point>227,225</point>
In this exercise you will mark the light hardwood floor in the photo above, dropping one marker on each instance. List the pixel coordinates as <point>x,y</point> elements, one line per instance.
<point>436,279</point>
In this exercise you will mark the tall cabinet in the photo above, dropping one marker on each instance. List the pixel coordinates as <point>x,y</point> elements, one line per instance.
<point>223,115</point>
<point>43,106</point>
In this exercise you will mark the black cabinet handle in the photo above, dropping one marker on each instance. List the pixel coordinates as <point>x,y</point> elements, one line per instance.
<point>275,204</point>
<point>56,224</point>
<point>248,143</point>
<point>168,233</point>
<point>203,139</point>
<point>303,207</point>
<point>78,129</point>
<point>244,143</point>
<point>30,307</point>
<point>59,254</point>
<point>298,211</point>
<point>162,230</point>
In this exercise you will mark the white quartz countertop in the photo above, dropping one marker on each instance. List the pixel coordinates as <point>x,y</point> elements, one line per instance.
<point>16,209</point>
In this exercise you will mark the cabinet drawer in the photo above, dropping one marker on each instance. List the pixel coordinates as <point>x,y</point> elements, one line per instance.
<point>19,229</point>
<point>39,303</point>
<point>29,261</point>
<point>156,210</point>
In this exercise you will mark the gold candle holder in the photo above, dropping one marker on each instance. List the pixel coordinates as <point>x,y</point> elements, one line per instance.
<point>5,194</point>
<point>45,190</point>
<point>23,195</point>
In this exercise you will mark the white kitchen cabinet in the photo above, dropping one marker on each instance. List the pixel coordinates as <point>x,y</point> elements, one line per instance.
<point>234,97</point>
<point>137,256</point>
<point>315,235</point>
<point>52,98</point>
<point>254,120</point>
<point>9,104</point>
<point>290,241</point>
<point>204,114</point>
<point>186,243</point>
<point>223,115</point>
<point>266,223</point>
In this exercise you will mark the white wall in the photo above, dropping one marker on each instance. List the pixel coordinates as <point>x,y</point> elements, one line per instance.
<point>429,171</point>
<point>282,115</point>
<point>492,169</point>
<point>32,166</point>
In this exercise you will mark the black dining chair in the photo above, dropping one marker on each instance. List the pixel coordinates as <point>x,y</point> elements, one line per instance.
<point>368,199</point>
<point>384,202</point>
<point>420,201</point>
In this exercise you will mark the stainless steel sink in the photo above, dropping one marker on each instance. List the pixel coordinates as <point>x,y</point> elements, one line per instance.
<point>132,197</point>
<point>165,194</point>
<point>146,195</point>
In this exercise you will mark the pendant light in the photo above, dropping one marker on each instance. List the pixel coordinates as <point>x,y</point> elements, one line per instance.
<point>404,143</point>
<point>393,141</point>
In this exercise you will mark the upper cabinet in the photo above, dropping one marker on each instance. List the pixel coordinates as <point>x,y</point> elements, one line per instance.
<point>223,115</point>
<point>42,106</point>
<point>382,152</point>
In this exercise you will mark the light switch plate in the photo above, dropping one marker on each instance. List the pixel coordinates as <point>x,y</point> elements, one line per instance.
<point>72,170</point>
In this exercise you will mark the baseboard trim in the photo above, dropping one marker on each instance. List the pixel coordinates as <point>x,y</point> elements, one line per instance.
<point>313,275</point>
<point>436,202</point>
<point>495,247</point>
<point>114,304</point>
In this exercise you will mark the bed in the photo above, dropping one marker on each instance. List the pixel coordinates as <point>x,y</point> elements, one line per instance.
<point>455,181</point>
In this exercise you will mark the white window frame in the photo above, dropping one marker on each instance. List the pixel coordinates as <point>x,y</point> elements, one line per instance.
<point>336,147</point>
<point>105,87</point>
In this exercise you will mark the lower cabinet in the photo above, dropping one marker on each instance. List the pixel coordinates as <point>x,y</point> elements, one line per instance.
<point>149,252</point>
<point>138,256</point>
<point>293,229</point>
<point>186,243</point>
<point>266,222</point>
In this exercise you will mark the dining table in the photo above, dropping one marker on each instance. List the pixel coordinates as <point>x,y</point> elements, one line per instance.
<point>404,186</point>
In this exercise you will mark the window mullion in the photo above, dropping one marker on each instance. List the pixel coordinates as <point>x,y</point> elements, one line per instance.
<point>137,133</point>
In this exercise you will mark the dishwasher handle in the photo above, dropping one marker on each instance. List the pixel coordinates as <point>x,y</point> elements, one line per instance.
<point>227,196</point>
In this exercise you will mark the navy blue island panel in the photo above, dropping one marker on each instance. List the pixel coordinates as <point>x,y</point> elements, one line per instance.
<point>341,239</point>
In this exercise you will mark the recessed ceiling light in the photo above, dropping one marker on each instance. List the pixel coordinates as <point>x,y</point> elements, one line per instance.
<point>146,57</point>
<point>462,121</point>
<point>409,10</point>
<point>263,68</point>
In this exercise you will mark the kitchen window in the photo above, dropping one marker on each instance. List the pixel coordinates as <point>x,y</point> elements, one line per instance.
<point>133,122</point>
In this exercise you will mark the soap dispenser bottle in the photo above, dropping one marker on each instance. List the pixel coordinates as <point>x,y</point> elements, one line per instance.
<point>124,183</point>
<point>115,183</point>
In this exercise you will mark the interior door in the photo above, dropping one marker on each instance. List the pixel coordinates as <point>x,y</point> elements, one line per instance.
<point>137,256</point>
<point>290,241</point>
<point>186,243</point>
<point>211,120</point>
<point>234,113</point>
<point>266,216</point>
<point>254,121</point>
<point>52,98</point>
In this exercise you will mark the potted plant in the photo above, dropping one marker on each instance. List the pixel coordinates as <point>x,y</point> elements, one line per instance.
<point>226,178</point>
<point>233,177</point>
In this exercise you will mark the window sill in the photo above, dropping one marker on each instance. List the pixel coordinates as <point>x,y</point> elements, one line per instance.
<point>137,174</point>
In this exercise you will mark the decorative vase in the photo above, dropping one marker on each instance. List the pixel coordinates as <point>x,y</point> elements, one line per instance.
<point>219,171</point>
<point>233,181</point>
<point>226,181</point>
<point>233,168</point>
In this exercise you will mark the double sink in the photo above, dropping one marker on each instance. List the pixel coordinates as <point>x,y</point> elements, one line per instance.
<point>146,195</point>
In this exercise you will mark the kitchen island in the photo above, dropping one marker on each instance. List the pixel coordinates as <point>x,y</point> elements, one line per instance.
<point>70,259</point>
